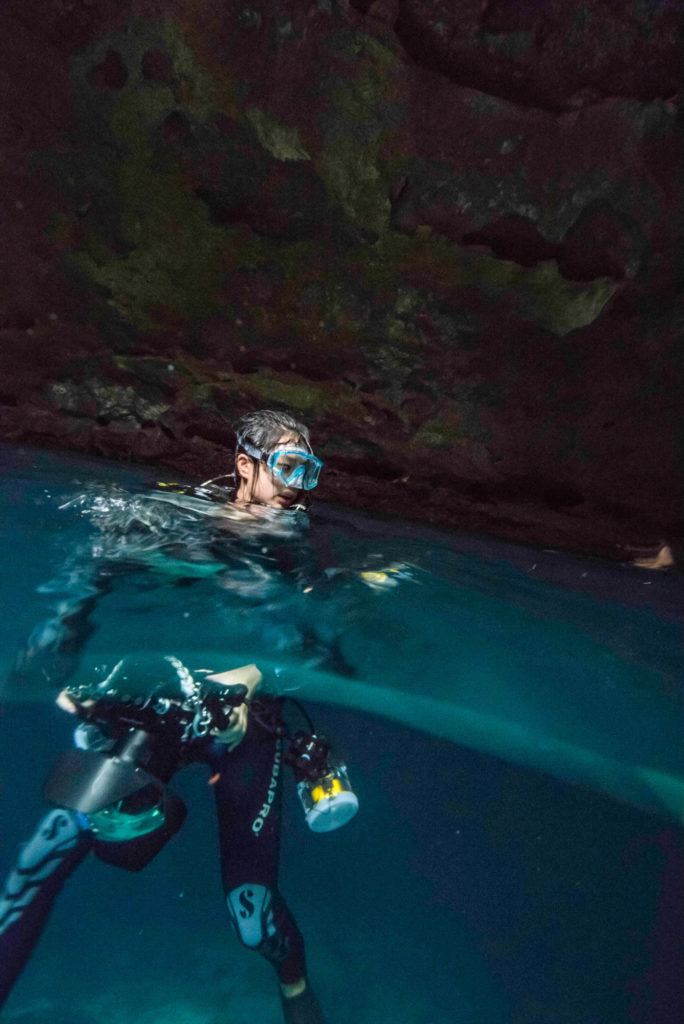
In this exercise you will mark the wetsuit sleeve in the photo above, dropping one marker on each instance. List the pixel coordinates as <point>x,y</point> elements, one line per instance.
<point>120,545</point>
<point>51,652</point>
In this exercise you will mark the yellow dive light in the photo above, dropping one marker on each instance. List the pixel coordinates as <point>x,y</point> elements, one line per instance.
<point>329,802</point>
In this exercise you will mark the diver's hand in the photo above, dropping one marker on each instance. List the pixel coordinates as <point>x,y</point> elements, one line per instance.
<point>66,702</point>
<point>236,729</point>
<point>246,675</point>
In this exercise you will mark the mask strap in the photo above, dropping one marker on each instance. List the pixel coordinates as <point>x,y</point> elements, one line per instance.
<point>249,449</point>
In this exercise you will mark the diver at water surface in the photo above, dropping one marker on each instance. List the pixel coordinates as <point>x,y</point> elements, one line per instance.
<point>245,534</point>
<point>110,793</point>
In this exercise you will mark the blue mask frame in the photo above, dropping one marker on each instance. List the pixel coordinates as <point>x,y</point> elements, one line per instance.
<point>304,477</point>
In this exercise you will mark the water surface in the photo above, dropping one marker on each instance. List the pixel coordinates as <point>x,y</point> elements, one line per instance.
<point>512,720</point>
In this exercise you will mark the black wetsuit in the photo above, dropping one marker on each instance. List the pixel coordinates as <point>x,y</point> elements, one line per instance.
<point>247,789</point>
<point>246,782</point>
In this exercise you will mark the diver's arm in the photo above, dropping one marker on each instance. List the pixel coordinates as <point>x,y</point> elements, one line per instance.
<point>54,645</point>
<point>122,546</point>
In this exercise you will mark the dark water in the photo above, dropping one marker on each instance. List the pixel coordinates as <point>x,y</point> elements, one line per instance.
<point>483,880</point>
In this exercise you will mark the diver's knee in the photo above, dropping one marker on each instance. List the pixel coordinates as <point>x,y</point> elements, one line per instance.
<point>57,834</point>
<point>52,852</point>
<point>252,914</point>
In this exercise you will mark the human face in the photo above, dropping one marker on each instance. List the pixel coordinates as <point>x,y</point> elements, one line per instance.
<point>260,485</point>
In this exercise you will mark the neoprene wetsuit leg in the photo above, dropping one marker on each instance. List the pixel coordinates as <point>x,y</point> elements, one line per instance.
<point>61,841</point>
<point>57,847</point>
<point>247,793</point>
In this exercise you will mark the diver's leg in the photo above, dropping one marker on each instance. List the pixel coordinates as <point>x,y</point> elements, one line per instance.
<point>248,794</point>
<point>61,841</point>
<point>58,846</point>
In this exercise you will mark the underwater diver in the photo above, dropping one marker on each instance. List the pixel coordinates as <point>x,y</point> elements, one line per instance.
<point>110,793</point>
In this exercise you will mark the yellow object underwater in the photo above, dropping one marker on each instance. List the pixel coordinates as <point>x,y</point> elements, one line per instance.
<point>380,580</point>
<point>331,788</point>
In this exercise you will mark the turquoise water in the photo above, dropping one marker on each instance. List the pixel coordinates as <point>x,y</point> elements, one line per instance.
<point>512,720</point>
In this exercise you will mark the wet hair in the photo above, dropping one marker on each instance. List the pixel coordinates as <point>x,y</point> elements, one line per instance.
<point>263,429</point>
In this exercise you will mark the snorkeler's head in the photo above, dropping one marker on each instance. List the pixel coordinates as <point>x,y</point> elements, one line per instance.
<point>274,462</point>
<point>264,428</point>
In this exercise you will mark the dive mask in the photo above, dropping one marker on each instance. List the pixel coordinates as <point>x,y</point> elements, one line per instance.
<point>294,466</point>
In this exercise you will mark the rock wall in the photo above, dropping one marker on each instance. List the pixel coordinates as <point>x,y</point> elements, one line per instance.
<point>448,233</point>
